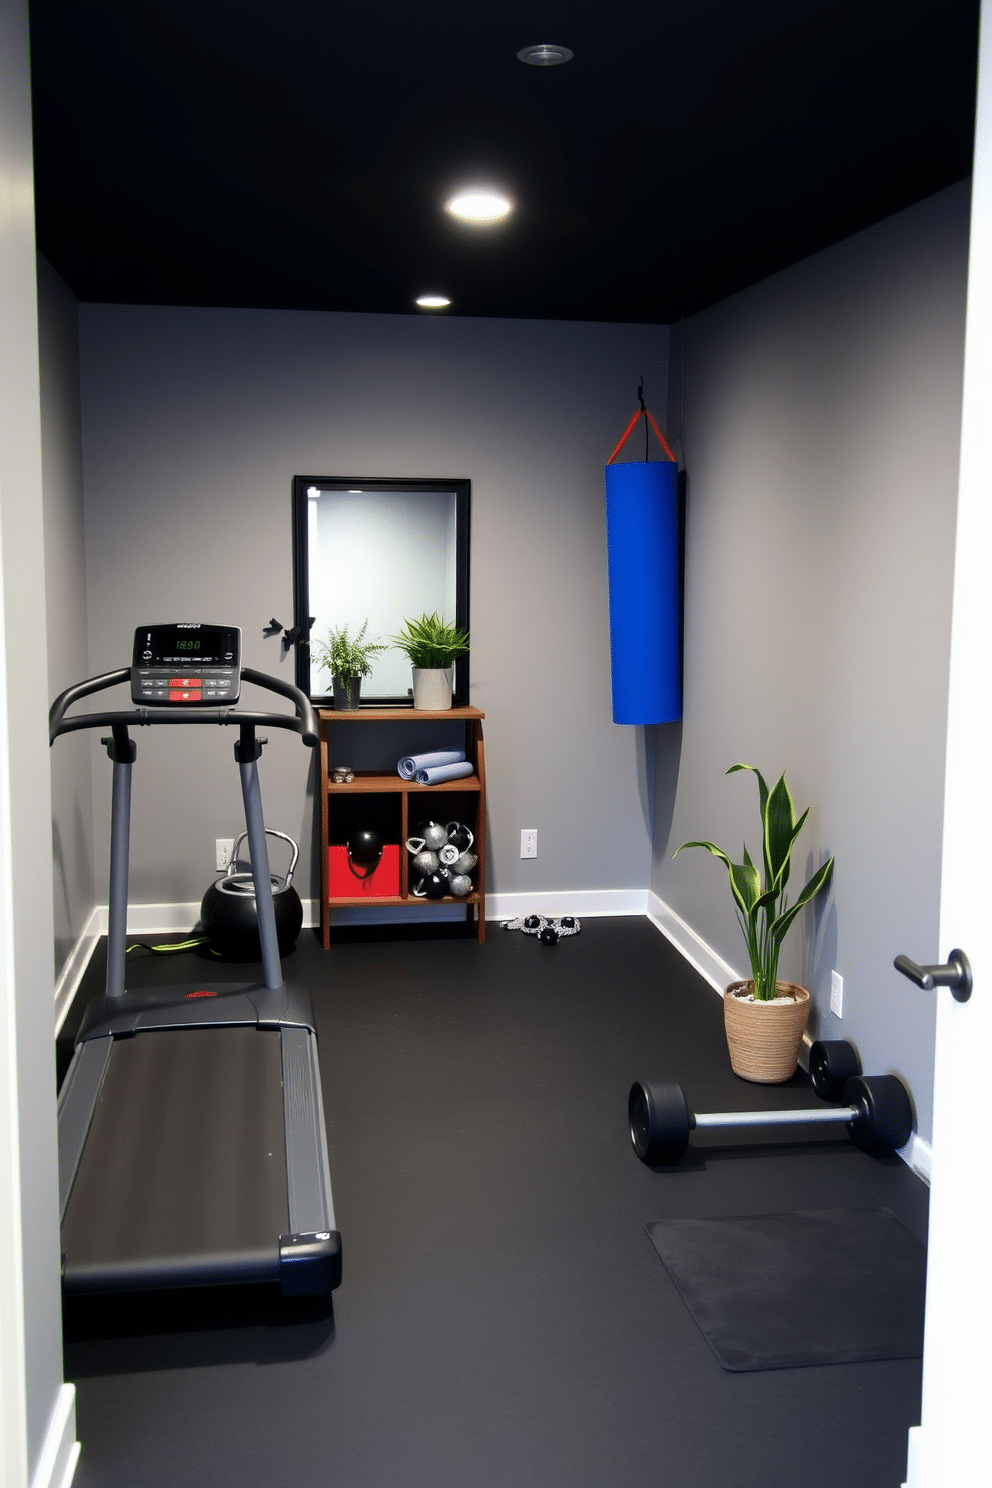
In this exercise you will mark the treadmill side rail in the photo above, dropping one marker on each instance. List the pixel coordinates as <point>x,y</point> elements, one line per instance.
<point>77,1102</point>
<point>310,1256</point>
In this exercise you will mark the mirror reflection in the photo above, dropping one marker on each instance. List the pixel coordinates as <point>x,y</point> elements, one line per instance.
<point>380,552</point>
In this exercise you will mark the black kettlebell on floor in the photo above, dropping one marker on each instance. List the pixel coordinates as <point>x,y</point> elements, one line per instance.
<point>229,916</point>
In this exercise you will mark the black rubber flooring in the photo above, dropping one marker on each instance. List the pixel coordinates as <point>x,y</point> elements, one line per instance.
<point>503,1317</point>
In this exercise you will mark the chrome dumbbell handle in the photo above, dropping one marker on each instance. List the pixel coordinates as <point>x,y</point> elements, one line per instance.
<point>812,1116</point>
<point>956,974</point>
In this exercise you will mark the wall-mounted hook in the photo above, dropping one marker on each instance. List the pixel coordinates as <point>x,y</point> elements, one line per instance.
<point>297,636</point>
<point>273,628</point>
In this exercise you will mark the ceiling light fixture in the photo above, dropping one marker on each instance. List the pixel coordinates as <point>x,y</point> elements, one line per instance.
<point>433,302</point>
<point>479,207</point>
<point>545,55</point>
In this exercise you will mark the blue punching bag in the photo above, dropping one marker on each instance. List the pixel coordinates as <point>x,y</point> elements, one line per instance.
<point>642,532</point>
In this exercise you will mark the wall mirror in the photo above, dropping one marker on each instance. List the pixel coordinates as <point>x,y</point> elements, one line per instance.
<point>383,551</point>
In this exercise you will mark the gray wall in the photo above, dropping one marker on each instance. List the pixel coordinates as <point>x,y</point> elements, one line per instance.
<point>194,423</point>
<point>822,413</point>
<point>65,597</point>
<point>30,1335</point>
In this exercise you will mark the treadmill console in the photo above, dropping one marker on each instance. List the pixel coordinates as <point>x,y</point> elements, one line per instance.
<point>186,665</point>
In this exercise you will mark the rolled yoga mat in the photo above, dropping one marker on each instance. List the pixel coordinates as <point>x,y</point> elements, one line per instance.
<point>435,774</point>
<point>411,763</point>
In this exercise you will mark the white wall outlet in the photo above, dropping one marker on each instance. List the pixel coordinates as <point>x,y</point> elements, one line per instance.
<point>837,994</point>
<point>223,848</point>
<point>528,842</point>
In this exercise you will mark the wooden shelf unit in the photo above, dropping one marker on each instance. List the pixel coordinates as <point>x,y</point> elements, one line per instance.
<point>389,783</point>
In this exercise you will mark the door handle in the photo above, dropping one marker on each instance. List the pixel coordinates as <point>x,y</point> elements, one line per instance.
<point>956,974</point>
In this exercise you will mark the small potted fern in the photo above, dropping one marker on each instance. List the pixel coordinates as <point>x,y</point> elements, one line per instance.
<point>433,645</point>
<point>763,1017</point>
<point>348,659</point>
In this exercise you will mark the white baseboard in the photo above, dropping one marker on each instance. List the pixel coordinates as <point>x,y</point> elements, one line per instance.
<point>582,903</point>
<point>708,962</point>
<point>919,1156</point>
<point>77,961</point>
<point>57,1463</point>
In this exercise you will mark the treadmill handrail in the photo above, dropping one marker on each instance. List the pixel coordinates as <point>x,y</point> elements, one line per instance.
<point>303,722</point>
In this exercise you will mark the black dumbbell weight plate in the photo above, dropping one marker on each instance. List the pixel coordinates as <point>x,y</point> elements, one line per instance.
<point>886,1120</point>
<point>659,1121</point>
<point>832,1062</point>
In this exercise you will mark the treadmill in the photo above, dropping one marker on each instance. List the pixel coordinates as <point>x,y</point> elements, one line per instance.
<point>192,1149</point>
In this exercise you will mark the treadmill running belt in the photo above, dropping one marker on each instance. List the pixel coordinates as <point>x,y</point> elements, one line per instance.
<point>183,1177</point>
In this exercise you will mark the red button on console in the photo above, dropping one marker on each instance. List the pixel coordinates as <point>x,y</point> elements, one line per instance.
<point>191,696</point>
<point>185,681</point>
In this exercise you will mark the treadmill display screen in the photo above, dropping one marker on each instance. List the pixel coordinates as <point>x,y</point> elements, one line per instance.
<point>167,645</point>
<point>186,665</point>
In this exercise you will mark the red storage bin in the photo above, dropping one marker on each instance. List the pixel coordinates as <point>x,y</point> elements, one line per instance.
<point>344,882</point>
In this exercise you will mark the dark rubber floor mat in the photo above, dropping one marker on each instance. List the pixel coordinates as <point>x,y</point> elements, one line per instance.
<point>779,1291</point>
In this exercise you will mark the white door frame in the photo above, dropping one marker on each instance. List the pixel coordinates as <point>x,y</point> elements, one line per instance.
<point>950,1449</point>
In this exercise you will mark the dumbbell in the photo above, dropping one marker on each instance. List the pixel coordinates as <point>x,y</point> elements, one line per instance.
<point>832,1062</point>
<point>876,1112</point>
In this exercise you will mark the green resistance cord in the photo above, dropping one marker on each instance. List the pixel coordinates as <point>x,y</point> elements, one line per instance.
<point>171,948</point>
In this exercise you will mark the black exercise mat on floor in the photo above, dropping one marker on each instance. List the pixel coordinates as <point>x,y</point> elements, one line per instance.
<point>777,1291</point>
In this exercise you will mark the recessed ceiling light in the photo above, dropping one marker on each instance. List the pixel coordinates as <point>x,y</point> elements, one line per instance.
<point>433,302</point>
<point>545,55</point>
<point>479,206</point>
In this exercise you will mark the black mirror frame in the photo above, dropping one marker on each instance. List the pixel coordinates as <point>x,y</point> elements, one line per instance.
<point>301,575</point>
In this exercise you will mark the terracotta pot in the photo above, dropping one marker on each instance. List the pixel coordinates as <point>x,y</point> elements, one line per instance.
<point>764,1038</point>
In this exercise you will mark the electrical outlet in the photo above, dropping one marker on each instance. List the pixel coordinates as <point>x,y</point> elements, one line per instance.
<point>837,994</point>
<point>223,848</point>
<point>528,842</point>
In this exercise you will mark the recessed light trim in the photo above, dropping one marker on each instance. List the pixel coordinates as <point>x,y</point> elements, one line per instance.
<point>433,301</point>
<point>479,207</point>
<point>545,54</point>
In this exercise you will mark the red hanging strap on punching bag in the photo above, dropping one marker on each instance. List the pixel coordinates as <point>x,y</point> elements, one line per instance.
<point>642,412</point>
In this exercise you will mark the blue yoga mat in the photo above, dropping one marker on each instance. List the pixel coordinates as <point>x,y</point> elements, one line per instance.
<point>411,763</point>
<point>435,774</point>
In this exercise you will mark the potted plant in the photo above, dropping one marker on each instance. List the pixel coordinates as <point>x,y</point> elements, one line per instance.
<point>348,659</point>
<point>432,644</point>
<point>765,1018</point>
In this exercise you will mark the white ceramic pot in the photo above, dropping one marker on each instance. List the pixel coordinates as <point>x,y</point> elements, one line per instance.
<point>432,688</point>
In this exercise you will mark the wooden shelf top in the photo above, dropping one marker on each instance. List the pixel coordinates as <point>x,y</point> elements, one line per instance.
<point>395,715</point>
<point>373,900</point>
<point>375,783</point>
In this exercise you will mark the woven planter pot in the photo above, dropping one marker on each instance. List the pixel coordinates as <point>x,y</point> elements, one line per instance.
<point>764,1037</point>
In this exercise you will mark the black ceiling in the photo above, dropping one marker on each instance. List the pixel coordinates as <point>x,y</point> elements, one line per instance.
<point>296,153</point>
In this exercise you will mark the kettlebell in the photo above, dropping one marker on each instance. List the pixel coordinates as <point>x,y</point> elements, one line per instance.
<point>460,836</point>
<point>230,918</point>
<point>433,834</point>
<point>364,850</point>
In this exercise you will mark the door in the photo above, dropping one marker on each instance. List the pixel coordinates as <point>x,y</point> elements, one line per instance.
<point>951,1447</point>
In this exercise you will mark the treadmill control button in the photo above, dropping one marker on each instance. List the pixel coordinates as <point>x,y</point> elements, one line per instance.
<point>185,681</point>
<point>193,696</point>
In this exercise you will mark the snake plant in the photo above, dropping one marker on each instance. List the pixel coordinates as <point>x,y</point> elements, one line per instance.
<point>763,911</point>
